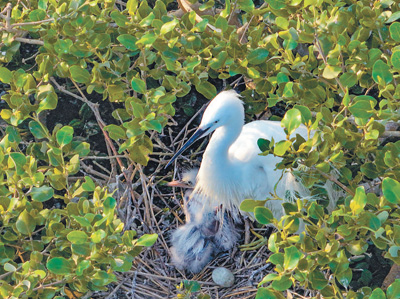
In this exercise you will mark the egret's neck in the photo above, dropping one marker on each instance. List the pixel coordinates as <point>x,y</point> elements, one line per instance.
<point>221,140</point>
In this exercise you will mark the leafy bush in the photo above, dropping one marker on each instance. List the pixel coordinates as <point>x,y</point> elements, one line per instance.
<point>333,65</point>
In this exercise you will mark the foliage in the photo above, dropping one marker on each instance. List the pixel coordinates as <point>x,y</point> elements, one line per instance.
<point>333,65</point>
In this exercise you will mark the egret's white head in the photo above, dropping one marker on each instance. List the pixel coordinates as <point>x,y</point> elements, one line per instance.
<point>226,108</point>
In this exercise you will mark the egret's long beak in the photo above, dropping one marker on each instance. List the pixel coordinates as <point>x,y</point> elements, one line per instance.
<point>200,132</point>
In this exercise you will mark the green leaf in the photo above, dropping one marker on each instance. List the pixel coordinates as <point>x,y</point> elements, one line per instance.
<point>331,71</point>
<point>292,257</point>
<point>115,132</point>
<point>47,97</point>
<point>246,5</point>
<point>100,41</point>
<point>348,79</point>
<point>263,215</point>
<point>359,201</point>
<point>128,41</point>
<point>264,293</point>
<point>263,144</point>
<point>288,90</point>
<point>42,194</point>
<point>37,130</point>
<point>5,75</point>
<point>306,115</point>
<point>395,16</point>
<point>77,237</point>
<point>139,85</point>
<point>281,147</point>
<point>64,135</point>
<point>393,290</point>
<point>257,56</point>
<point>168,27</point>
<point>248,205</point>
<point>147,240</point>
<point>345,277</point>
<point>9,267</point>
<point>377,294</point>
<point>282,22</point>
<point>277,4</point>
<point>88,185</point>
<point>381,72</point>
<point>395,60</point>
<point>393,250</point>
<point>25,223</point>
<point>79,74</point>
<point>98,236</point>
<point>206,89</point>
<point>391,190</point>
<point>83,265</point>
<point>394,30</point>
<point>317,280</point>
<point>292,120</point>
<point>60,266</point>
<point>147,39</point>
<point>362,107</point>
<point>282,284</point>
<point>19,161</point>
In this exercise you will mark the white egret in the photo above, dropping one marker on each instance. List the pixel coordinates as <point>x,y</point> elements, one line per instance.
<point>232,169</point>
<point>203,236</point>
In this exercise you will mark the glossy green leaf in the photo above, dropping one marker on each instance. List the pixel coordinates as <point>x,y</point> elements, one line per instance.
<point>147,240</point>
<point>5,75</point>
<point>19,161</point>
<point>60,266</point>
<point>292,257</point>
<point>98,236</point>
<point>361,108</point>
<point>79,74</point>
<point>206,89</point>
<point>331,71</point>
<point>169,26</point>
<point>138,85</point>
<point>25,224</point>
<point>391,190</point>
<point>317,280</point>
<point>282,284</point>
<point>281,147</point>
<point>263,215</point>
<point>395,60</point>
<point>115,132</point>
<point>381,72</point>
<point>64,135</point>
<point>42,193</point>
<point>258,56</point>
<point>377,294</point>
<point>277,4</point>
<point>88,185</point>
<point>263,293</point>
<point>292,120</point>
<point>37,130</point>
<point>77,237</point>
<point>359,201</point>
<point>394,30</point>
<point>128,41</point>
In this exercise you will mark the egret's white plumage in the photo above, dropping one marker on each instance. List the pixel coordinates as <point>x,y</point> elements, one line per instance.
<point>232,169</point>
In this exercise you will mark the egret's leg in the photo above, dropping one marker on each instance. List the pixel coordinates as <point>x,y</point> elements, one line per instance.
<point>256,244</point>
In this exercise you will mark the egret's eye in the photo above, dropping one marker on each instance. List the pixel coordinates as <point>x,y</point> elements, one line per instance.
<point>216,121</point>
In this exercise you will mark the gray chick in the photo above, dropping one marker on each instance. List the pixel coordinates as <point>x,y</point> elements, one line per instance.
<point>207,231</point>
